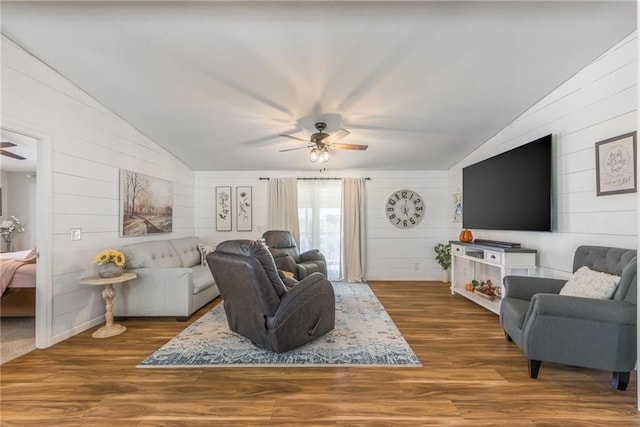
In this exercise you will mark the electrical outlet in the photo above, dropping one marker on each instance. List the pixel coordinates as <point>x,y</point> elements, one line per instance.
<point>416,266</point>
<point>76,234</point>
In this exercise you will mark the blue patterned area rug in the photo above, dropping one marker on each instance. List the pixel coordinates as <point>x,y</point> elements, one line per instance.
<point>364,335</point>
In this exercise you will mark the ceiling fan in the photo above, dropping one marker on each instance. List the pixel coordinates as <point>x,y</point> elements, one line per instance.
<point>321,143</point>
<point>8,153</point>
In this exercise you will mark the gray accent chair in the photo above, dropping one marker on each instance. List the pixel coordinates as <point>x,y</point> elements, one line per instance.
<point>285,251</point>
<point>585,332</point>
<point>260,307</point>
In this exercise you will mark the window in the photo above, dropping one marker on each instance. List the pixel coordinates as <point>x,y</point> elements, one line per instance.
<point>320,216</point>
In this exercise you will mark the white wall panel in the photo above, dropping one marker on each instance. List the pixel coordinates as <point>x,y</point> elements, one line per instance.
<point>392,253</point>
<point>599,102</point>
<point>89,145</point>
<point>85,186</point>
<point>62,223</point>
<point>71,164</point>
<point>582,139</point>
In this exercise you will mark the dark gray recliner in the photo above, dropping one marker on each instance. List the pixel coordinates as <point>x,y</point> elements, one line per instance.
<point>260,307</point>
<point>585,332</point>
<point>285,251</point>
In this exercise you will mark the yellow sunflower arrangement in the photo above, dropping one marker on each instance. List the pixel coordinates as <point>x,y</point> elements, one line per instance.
<point>110,255</point>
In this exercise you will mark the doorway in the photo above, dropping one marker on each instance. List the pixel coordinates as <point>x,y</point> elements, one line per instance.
<point>17,227</point>
<point>25,203</point>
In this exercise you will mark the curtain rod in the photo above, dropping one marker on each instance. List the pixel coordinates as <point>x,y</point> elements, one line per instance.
<point>313,179</point>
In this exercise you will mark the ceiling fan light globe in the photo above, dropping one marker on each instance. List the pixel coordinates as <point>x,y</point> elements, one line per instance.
<point>313,155</point>
<point>325,156</point>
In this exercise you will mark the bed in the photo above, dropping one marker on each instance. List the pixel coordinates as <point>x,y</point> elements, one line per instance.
<point>18,290</point>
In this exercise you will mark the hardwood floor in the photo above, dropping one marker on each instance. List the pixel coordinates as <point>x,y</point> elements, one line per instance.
<point>470,376</point>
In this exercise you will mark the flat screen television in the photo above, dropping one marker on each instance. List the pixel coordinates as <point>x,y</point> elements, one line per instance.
<point>510,191</point>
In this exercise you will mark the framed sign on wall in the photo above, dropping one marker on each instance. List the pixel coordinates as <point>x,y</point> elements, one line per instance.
<point>616,165</point>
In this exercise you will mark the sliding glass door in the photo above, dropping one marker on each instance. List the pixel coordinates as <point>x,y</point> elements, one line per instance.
<point>319,212</point>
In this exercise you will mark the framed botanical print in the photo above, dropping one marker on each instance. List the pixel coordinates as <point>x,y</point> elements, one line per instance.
<point>223,209</point>
<point>244,209</point>
<point>616,165</point>
<point>457,207</point>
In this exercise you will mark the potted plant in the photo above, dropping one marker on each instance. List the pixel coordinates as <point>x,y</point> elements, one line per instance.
<point>443,256</point>
<point>7,228</point>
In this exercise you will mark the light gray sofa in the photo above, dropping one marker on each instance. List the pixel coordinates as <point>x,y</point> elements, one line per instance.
<point>171,280</point>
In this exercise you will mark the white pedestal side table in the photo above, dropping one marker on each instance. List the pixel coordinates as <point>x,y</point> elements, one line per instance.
<point>110,329</point>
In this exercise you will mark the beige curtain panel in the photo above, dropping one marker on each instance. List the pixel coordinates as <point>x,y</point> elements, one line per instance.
<point>354,231</point>
<point>283,206</point>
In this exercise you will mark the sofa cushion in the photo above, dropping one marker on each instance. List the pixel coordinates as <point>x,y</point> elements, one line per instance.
<point>588,283</point>
<point>202,279</point>
<point>187,250</point>
<point>204,251</point>
<point>158,254</point>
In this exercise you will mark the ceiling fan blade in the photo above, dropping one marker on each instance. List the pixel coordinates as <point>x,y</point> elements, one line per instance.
<point>349,147</point>
<point>8,154</point>
<point>306,141</point>
<point>298,148</point>
<point>7,144</point>
<point>339,134</point>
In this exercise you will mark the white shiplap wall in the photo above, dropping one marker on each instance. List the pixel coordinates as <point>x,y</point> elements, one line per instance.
<point>392,254</point>
<point>597,103</point>
<point>89,146</point>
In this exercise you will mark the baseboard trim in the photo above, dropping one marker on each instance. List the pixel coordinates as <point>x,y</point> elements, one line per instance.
<point>77,329</point>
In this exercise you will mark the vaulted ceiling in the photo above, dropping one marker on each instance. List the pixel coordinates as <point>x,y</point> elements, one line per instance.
<point>422,83</point>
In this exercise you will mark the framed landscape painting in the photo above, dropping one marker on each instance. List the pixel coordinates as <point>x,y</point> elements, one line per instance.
<point>223,209</point>
<point>244,209</point>
<point>146,204</point>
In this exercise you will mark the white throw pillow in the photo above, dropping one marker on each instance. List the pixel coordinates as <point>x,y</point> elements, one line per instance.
<point>204,251</point>
<point>588,283</point>
<point>31,255</point>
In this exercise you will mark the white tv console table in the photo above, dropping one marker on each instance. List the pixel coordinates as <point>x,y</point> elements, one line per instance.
<point>471,261</point>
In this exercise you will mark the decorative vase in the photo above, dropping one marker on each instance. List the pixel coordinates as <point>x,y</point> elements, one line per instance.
<point>109,270</point>
<point>466,236</point>
<point>445,276</point>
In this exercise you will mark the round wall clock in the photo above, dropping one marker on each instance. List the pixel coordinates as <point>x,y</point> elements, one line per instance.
<point>404,208</point>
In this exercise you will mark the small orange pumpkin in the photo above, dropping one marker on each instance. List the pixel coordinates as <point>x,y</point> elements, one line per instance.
<point>466,236</point>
